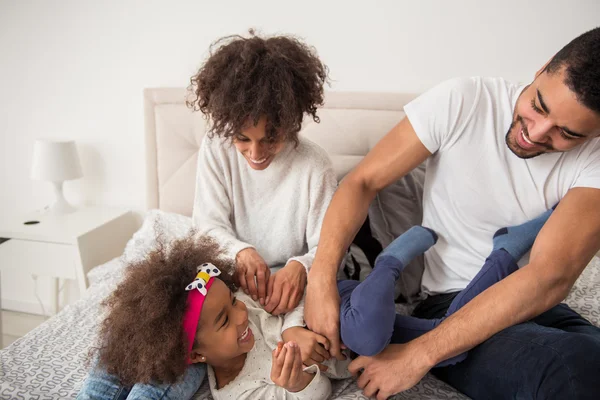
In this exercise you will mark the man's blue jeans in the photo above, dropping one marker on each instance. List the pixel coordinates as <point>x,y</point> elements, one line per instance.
<point>553,356</point>
<point>99,385</point>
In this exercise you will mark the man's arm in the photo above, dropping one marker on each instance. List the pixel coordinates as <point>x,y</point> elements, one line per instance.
<point>394,156</point>
<point>563,248</point>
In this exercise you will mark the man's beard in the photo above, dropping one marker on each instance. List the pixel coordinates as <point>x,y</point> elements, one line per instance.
<point>512,144</point>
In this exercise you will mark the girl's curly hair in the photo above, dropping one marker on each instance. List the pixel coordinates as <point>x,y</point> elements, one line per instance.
<point>278,77</point>
<point>142,337</point>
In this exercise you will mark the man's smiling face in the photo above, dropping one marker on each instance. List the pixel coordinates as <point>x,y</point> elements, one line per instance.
<point>549,118</point>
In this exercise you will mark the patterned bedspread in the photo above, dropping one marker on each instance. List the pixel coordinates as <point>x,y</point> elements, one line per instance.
<point>50,361</point>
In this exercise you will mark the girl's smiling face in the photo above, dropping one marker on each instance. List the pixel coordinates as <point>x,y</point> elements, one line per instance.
<point>223,332</point>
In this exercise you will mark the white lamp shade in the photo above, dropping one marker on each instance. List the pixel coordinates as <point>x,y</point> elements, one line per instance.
<point>55,160</point>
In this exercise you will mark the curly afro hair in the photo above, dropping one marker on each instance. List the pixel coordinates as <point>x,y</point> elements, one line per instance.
<point>245,79</point>
<point>142,338</point>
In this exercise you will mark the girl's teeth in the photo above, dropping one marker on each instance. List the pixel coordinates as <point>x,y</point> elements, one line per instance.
<point>244,334</point>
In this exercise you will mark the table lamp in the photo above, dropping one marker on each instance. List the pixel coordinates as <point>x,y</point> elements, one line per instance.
<point>56,161</point>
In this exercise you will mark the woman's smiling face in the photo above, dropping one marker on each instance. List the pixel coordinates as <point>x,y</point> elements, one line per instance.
<point>258,150</point>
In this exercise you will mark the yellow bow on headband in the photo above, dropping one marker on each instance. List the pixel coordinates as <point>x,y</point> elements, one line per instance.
<point>205,272</point>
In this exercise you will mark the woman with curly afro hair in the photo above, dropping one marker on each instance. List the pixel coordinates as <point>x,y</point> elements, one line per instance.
<point>261,189</point>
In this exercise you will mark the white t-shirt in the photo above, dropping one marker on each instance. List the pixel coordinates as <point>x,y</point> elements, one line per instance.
<point>474,184</point>
<point>278,211</point>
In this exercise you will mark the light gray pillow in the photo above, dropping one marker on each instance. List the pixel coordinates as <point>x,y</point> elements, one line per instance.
<point>394,210</point>
<point>171,225</point>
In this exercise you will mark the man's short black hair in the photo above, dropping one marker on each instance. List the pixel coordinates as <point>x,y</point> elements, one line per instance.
<point>581,58</point>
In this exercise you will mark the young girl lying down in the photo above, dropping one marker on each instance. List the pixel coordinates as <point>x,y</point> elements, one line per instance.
<point>179,306</point>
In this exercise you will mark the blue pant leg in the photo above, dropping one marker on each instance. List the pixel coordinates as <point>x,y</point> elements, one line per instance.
<point>529,361</point>
<point>497,266</point>
<point>553,356</point>
<point>367,312</point>
<point>565,318</point>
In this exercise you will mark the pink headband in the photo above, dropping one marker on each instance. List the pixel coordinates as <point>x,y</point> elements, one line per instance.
<point>203,281</point>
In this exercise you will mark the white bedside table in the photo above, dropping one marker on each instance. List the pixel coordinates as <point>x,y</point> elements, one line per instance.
<point>65,246</point>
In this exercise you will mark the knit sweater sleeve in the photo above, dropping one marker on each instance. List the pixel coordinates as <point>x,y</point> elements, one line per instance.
<point>212,202</point>
<point>294,318</point>
<point>322,186</point>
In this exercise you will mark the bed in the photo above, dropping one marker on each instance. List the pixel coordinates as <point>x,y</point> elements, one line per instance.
<point>50,361</point>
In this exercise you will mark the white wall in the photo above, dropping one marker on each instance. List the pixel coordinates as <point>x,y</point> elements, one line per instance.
<point>76,69</point>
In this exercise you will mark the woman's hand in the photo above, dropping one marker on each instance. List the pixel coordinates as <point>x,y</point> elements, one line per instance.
<point>286,288</point>
<point>314,348</point>
<point>252,274</point>
<point>286,368</point>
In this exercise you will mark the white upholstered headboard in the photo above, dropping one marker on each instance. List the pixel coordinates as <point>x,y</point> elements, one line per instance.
<point>351,124</point>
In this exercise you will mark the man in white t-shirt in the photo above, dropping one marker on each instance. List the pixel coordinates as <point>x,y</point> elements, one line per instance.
<point>498,154</point>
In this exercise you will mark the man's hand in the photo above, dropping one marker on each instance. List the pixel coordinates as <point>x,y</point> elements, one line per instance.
<point>397,368</point>
<point>252,274</point>
<point>313,347</point>
<point>286,288</point>
<point>322,311</point>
